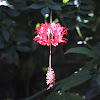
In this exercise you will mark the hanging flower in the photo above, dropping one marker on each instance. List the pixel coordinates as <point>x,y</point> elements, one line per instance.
<point>47,34</point>
<point>50,33</point>
<point>50,79</point>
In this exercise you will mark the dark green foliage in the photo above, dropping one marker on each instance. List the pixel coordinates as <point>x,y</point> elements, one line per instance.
<point>73,80</point>
<point>23,48</point>
<point>64,96</point>
<point>23,62</point>
<point>10,22</point>
<point>36,6</point>
<point>96,49</point>
<point>21,39</point>
<point>1,45</point>
<point>82,50</point>
<point>6,34</point>
<point>78,11</point>
<point>94,88</point>
<point>13,13</point>
<point>45,11</point>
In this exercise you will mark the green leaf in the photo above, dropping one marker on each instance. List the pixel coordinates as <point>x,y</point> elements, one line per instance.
<point>21,39</point>
<point>92,64</point>
<point>79,77</point>
<point>45,11</point>
<point>23,48</point>
<point>6,34</point>
<point>85,25</point>
<point>64,96</point>
<point>69,16</point>
<point>37,25</point>
<point>86,7</point>
<point>84,11</point>
<point>79,32</point>
<point>98,78</point>
<point>10,6</point>
<point>74,80</point>
<point>94,88</point>
<point>55,7</point>
<point>96,49</point>
<point>13,13</point>
<point>20,6</point>
<point>69,7</point>
<point>36,6</point>
<point>10,22</point>
<point>71,12</point>
<point>87,2</point>
<point>65,1</point>
<point>82,50</point>
<point>88,18</point>
<point>55,3</point>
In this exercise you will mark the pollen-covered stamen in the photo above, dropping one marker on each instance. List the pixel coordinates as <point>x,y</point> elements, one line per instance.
<point>50,79</point>
<point>50,37</point>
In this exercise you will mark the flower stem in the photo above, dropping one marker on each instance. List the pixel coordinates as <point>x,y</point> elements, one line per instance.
<point>50,57</point>
<point>51,16</point>
<point>50,44</point>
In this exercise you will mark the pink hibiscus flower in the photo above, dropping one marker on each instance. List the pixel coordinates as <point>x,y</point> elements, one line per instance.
<point>50,33</point>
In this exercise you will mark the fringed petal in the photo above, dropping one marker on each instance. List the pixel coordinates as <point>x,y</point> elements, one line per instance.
<point>50,33</point>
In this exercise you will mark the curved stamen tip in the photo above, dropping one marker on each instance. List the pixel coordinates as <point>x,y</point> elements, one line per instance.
<point>50,86</point>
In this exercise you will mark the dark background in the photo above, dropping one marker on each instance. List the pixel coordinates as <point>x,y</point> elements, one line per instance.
<point>23,62</point>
